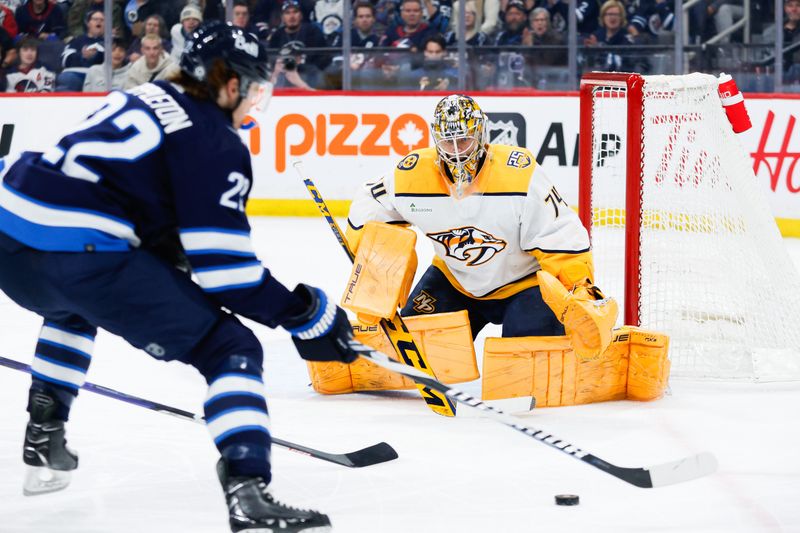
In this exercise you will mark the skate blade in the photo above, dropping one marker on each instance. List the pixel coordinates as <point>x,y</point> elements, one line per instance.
<point>41,480</point>
<point>320,529</point>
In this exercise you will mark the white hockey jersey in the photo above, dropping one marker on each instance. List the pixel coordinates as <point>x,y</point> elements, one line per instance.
<point>36,80</point>
<point>489,244</point>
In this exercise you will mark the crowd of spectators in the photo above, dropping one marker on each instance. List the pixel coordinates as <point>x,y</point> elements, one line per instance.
<point>49,45</point>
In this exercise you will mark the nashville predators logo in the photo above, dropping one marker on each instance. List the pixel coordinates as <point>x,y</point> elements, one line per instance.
<point>423,303</point>
<point>469,244</point>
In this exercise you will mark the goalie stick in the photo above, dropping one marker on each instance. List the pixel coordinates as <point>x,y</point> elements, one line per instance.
<point>371,455</point>
<point>394,328</point>
<point>661,475</point>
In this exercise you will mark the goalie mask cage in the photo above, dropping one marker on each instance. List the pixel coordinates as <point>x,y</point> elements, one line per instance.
<point>669,197</point>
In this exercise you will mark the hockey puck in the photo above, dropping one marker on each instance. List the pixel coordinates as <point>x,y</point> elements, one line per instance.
<point>567,499</point>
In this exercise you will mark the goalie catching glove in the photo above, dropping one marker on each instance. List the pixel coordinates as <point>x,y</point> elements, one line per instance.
<point>586,315</point>
<point>322,332</point>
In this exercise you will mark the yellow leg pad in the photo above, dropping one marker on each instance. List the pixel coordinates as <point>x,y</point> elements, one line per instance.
<point>648,369</point>
<point>520,366</point>
<point>548,369</point>
<point>445,338</point>
<point>383,271</point>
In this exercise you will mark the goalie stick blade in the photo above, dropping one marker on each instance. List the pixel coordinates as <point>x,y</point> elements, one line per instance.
<point>656,476</point>
<point>685,469</point>
<point>371,455</point>
<point>680,471</point>
<point>515,406</point>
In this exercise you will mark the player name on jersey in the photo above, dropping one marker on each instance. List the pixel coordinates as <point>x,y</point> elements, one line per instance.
<point>171,115</point>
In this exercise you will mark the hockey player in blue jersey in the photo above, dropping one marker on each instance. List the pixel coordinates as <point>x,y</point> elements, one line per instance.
<point>91,232</point>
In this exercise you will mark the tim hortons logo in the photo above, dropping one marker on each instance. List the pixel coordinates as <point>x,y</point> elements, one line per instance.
<point>343,134</point>
<point>779,157</point>
<point>469,244</point>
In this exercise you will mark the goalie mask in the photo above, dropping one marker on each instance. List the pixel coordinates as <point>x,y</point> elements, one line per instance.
<point>459,131</point>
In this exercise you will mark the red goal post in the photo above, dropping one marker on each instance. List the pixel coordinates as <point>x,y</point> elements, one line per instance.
<point>681,229</point>
<point>632,85</point>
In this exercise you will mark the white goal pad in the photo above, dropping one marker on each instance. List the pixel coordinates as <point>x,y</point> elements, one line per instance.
<point>670,199</point>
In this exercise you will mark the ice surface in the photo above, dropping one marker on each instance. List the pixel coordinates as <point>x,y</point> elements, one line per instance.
<point>142,471</point>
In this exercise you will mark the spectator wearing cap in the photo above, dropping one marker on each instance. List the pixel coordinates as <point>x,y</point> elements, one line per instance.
<point>484,13</point>
<point>586,15</point>
<point>153,24</point>
<point>294,30</point>
<point>191,18</point>
<point>155,63</point>
<point>95,81</point>
<point>7,21</point>
<point>515,19</point>
<point>41,19</point>
<point>28,76</point>
<point>76,17</point>
<point>413,30</point>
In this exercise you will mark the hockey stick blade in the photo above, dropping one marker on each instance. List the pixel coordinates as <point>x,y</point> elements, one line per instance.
<point>680,471</point>
<point>371,455</point>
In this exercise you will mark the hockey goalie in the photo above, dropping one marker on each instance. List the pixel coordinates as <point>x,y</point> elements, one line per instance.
<point>509,251</point>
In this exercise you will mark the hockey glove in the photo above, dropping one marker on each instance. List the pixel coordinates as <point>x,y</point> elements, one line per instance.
<point>322,332</point>
<point>586,315</point>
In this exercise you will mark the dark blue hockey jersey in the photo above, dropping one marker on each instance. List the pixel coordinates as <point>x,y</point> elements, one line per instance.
<point>150,163</point>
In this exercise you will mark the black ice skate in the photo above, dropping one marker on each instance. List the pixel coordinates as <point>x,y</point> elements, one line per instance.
<point>253,509</point>
<point>45,450</point>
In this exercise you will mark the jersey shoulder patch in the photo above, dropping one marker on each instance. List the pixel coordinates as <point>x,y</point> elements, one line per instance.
<point>408,162</point>
<point>519,159</point>
<point>510,169</point>
<point>417,174</point>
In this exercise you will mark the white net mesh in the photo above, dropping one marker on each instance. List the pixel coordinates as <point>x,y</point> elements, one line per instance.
<point>713,270</point>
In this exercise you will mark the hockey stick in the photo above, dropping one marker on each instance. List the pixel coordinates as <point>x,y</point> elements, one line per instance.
<point>661,475</point>
<point>371,455</point>
<point>394,328</point>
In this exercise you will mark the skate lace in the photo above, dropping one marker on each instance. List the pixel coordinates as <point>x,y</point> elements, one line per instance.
<point>269,497</point>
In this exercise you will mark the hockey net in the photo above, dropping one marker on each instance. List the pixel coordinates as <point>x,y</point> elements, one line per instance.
<point>670,199</point>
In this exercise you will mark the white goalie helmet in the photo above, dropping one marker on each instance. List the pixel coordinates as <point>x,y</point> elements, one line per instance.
<point>459,132</point>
